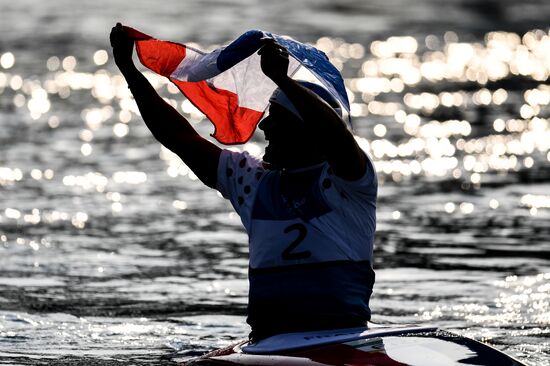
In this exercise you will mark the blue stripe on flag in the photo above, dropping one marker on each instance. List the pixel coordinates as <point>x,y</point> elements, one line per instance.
<point>239,49</point>
<point>310,57</point>
<point>318,63</point>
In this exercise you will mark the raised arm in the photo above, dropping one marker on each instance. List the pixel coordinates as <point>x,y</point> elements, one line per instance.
<point>345,157</point>
<point>166,124</point>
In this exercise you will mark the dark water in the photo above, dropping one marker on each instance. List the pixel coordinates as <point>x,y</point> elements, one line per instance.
<point>111,252</point>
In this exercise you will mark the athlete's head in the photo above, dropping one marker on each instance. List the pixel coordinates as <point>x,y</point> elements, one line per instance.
<point>278,97</point>
<point>290,144</point>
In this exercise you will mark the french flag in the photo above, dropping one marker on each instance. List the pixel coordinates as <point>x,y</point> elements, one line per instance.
<point>228,84</point>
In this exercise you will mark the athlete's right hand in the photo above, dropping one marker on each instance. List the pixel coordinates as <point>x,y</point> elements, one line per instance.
<point>274,59</point>
<point>123,46</point>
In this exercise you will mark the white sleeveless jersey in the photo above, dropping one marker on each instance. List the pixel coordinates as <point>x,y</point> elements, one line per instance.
<point>335,221</point>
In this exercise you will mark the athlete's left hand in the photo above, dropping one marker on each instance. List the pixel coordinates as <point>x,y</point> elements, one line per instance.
<point>123,47</point>
<point>274,60</point>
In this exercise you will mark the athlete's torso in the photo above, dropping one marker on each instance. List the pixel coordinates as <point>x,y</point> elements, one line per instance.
<point>310,243</point>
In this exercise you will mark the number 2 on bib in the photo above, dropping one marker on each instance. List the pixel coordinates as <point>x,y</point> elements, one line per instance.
<point>289,253</point>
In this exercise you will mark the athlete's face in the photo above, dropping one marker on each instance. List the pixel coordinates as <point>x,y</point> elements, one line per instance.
<point>289,144</point>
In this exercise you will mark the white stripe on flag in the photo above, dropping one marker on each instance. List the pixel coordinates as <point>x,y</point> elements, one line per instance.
<point>246,78</point>
<point>197,66</point>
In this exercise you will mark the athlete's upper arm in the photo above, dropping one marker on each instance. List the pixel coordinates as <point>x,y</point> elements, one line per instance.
<point>346,158</point>
<point>201,156</point>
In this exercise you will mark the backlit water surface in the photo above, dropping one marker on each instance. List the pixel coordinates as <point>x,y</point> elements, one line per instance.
<point>112,252</point>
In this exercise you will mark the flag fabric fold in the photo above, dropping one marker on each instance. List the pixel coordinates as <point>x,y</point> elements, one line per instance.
<point>227,84</point>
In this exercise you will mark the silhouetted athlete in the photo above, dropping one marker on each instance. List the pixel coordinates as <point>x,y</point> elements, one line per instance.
<point>309,207</point>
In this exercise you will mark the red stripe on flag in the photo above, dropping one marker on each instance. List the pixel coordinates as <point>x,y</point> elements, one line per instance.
<point>160,56</point>
<point>233,124</point>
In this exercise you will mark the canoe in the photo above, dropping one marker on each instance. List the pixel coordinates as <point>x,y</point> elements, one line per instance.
<point>375,345</point>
